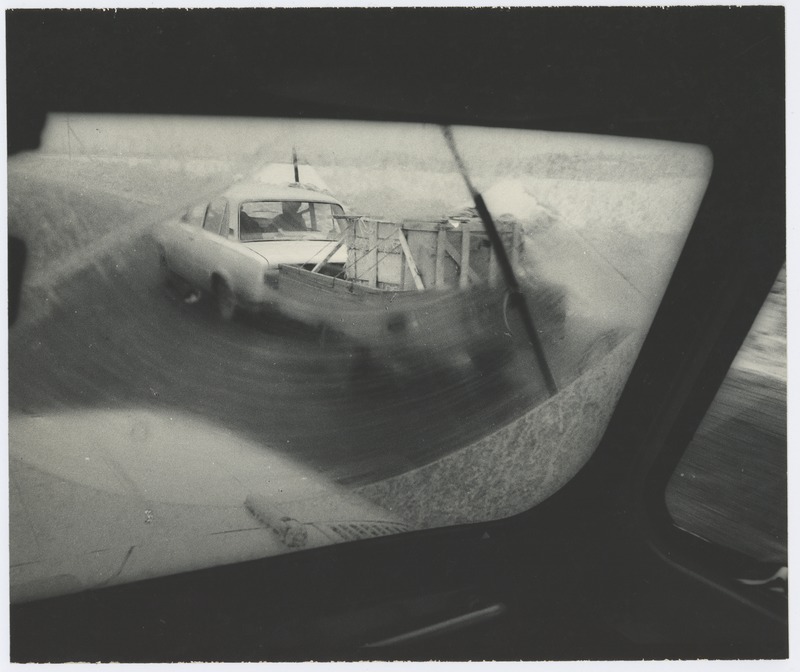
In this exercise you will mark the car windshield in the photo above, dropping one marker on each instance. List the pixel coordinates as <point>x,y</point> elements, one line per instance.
<point>279,220</point>
<point>167,414</point>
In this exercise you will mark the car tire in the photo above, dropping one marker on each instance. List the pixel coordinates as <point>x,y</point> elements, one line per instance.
<point>225,300</point>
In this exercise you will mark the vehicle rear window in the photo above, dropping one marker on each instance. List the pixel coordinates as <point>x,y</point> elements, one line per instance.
<point>275,220</point>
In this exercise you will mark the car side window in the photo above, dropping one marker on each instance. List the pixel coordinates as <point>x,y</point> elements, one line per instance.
<point>730,486</point>
<point>215,217</point>
<point>323,218</point>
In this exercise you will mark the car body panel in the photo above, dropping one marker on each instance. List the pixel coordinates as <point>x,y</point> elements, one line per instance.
<point>169,493</point>
<point>278,252</point>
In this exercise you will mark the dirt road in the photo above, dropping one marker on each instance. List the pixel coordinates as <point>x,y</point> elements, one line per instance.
<point>109,334</point>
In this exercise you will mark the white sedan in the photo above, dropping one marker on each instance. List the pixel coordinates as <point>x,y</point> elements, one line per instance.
<point>233,246</point>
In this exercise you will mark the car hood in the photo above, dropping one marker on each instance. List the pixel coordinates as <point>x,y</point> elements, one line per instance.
<point>278,252</point>
<point>103,498</point>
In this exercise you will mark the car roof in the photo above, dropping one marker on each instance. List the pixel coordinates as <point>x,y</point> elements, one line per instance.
<point>253,191</point>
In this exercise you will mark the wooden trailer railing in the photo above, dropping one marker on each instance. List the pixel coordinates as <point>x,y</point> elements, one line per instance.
<point>424,255</point>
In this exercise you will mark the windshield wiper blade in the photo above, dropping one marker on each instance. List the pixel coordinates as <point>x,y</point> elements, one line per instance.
<point>517,298</point>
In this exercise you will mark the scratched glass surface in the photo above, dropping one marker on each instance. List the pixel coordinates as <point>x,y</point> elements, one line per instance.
<point>184,395</point>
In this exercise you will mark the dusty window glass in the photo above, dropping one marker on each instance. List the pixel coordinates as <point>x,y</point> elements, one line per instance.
<point>308,391</point>
<point>273,220</point>
<point>214,216</point>
<point>195,214</point>
<point>730,486</point>
<point>321,218</point>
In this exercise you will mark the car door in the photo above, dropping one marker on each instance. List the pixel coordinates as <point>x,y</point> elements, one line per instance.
<point>178,240</point>
<point>206,256</point>
<point>221,255</point>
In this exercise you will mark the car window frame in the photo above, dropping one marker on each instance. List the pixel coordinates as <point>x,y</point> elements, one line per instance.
<point>222,224</point>
<point>732,322</point>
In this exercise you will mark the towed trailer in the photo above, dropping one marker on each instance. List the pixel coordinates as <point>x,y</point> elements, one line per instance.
<point>413,295</point>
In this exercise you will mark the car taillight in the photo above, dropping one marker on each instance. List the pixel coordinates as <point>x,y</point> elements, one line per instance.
<point>271,279</point>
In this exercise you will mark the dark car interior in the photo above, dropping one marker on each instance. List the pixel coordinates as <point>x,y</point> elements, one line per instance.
<point>598,571</point>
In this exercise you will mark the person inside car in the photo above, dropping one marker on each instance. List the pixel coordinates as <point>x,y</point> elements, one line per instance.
<point>290,219</point>
<point>248,227</point>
